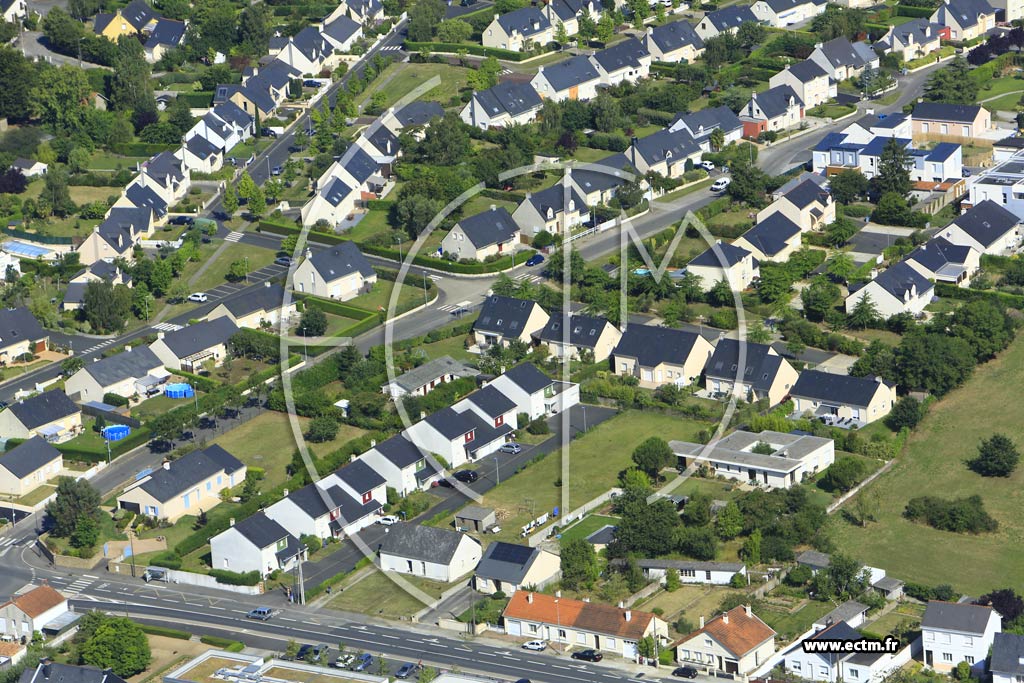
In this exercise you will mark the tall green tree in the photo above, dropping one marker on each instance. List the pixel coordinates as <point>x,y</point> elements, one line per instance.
<point>729,522</point>
<point>818,298</point>
<point>75,499</point>
<point>106,306</point>
<point>893,170</point>
<point>131,86</point>
<point>424,18</point>
<point>653,455</point>
<point>579,564</point>
<point>120,645</point>
<point>997,457</point>
<point>952,83</point>
<point>16,77</point>
<point>864,313</point>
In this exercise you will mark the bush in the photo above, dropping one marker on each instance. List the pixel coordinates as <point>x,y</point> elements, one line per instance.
<point>997,457</point>
<point>168,559</point>
<point>236,579</point>
<point>798,576</point>
<point>164,631</point>
<point>843,474</point>
<point>907,412</point>
<point>961,515</point>
<point>538,426</point>
<point>115,400</point>
<point>222,643</point>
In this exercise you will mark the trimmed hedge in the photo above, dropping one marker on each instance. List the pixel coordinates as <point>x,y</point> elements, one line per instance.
<point>142,149</point>
<point>204,384</point>
<point>1001,299</point>
<point>165,632</point>
<point>380,204</point>
<point>337,307</point>
<point>477,50</point>
<point>231,578</point>
<point>223,643</point>
<point>501,195</point>
<point>198,100</point>
<point>916,12</point>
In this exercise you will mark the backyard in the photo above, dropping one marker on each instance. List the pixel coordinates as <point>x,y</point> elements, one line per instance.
<point>374,593</point>
<point>256,258</point>
<point>400,79</point>
<point>379,298</point>
<point>587,526</point>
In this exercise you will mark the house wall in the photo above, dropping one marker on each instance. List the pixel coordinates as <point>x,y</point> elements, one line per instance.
<point>791,246</point>
<point>972,263</point>
<point>535,323</point>
<point>1007,244</point>
<point>667,373</point>
<point>12,485</point>
<point>583,92</point>
<point>812,93</point>
<point>803,218</point>
<point>887,304</point>
<point>944,649</point>
<point>12,428</point>
<point>531,404</point>
<point>11,351</point>
<point>739,275</point>
<point>16,623</point>
<point>203,496</point>
<point>466,557</point>
<point>687,53</point>
<point>402,480</point>
<point>232,551</point>
<point>167,357</point>
<point>879,406</point>
<point>296,521</point>
<point>578,638</point>
<point>307,280</point>
<point>952,130</point>
<point>793,15</point>
<point>708,652</point>
<point>94,249</point>
<point>430,440</point>
<point>713,577</point>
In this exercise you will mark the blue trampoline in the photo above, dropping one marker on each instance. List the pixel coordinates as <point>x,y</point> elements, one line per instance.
<point>116,432</point>
<point>179,390</point>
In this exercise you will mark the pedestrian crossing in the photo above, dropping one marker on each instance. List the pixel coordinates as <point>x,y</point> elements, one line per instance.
<point>526,277</point>
<point>233,236</point>
<point>391,48</point>
<point>435,278</point>
<point>97,347</point>
<point>451,308</point>
<point>166,327</point>
<point>81,584</point>
<point>505,72</point>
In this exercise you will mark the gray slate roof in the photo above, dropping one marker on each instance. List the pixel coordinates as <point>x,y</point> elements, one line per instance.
<point>267,298</point>
<point>504,315</point>
<point>950,616</point>
<point>666,145</point>
<point>341,29</point>
<point>773,234</point>
<point>508,562</point>
<point>189,471</point>
<point>489,227</point>
<point>431,370</point>
<point>846,611</point>
<point>833,388</point>
<point>583,330</point>
<point>987,222</point>
<point>814,559</point>
<point>514,98</point>
<point>166,32</point>
<point>419,113</point>
<point>260,530</point>
<point>570,73</point>
<point>841,52</point>
<point>17,325</point>
<point>399,451</point>
<point>123,225</point>
<point>528,21</point>
<point>360,476</point>
<point>528,378</point>
<point>424,543</point>
<point>730,252</point>
<point>134,364</point>
<point>623,55</point>
<point>776,101</point>
<point>966,12</point>
<point>138,14</point>
<point>806,193</point>
<point>900,279</point>
<point>340,260</point>
<point>144,197</point>
<point>44,408</point>
<point>730,17</point>
<point>553,199</point>
<point>701,123</point>
<point>1008,655</point>
<point>759,371</point>
<point>675,35</point>
<point>942,111</point>
<point>65,673</point>
<point>450,423</point>
<point>199,337</point>
<point>692,565</point>
<point>491,401</point>
<point>806,71</point>
<point>27,457</point>
<point>652,345</point>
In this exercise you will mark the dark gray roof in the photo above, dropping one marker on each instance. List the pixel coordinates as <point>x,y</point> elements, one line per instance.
<point>359,164</point>
<point>943,111</point>
<point>814,559</point>
<point>987,222</point>
<point>652,345</point>
<point>232,113</point>
<point>506,562</point>
<point>664,145</point>
<point>772,235</point>
<point>675,35</point>
<point>431,370</point>
<point>75,293</point>
<point>166,32</point>
<point>65,673</point>
<point>700,123</point>
<point>383,140</point>
<point>902,279</point>
<point>570,73</point>
<point>1008,654</point>
<point>341,29</point>
<point>419,113</point>
<point>731,253</point>
<point>424,543</point>
<point>846,611</point>
<point>199,336</point>
<point>730,17</point>
<point>759,371</point>
<point>504,315</point>
<point>123,224</point>
<point>201,147</point>
<point>491,401</point>
<point>806,71</point>
<point>839,630</point>
<point>692,565</point>
<point>104,270</point>
<point>489,227</point>
<point>778,6</point>
<point>26,458</point>
<point>841,52</point>
<point>144,197</point>
<point>134,364</point>
<point>623,55</point>
<point>790,185</point>
<point>399,451</point>
<point>138,14</point>
<point>164,484</point>
<point>101,21</point>
<point>833,388</point>
<point>17,325</point>
<point>360,477</point>
<point>528,21</point>
<point>603,536</point>
<point>528,378</point>
<point>311,43</point>
<point>165,167</point>
<point>260,530</point>
<point>966,12</point>
<point>336,192</point>
<point>806,193</point>
<point>955,616</point>
<point>270,297</point>
<point>277,74</point>
<point>611,175</point>
<point>553,199</point>
<point>311,499</point>
<point>353,510</point>
<point>776,101</point>
<point>340,260</point>
<point>43,408</point>
<point>583,330</point>
<point>1012,142</point>
<point>512,97</point>
<point>451,424</point>
<point>916,31</point>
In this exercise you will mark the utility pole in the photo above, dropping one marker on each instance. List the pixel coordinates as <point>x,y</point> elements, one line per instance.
<point>302,585</point>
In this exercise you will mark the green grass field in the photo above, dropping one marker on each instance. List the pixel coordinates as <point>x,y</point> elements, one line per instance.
<point>399,79</point>
<point>215,275</point>
<point>377,595</point>
<point>933,463</point>
<point>588,526</point>
<point>790,625</point>
<point>380,296</point>
<point>1008,102</point>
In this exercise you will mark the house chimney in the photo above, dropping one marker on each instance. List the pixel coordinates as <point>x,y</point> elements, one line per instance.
<point>373,442</point>
<point>167,465</point>
<point>159,335</point>
<point>586,599</point>
<point>231,522</point>
<point>494,207</point>
<point>725,618</point>
<point>309,253</point>
<point>266,284</point>
<point>423,415</point>
<point>496,16</point>
<point>629,615</point>
<point>702,621</point>
<point>127,348</point>
<point>749,614</point>
<point>632,147</point>
<point>558,594</point>
<point>529,598</point>
<point>285,493</point>
<point>622,605</point>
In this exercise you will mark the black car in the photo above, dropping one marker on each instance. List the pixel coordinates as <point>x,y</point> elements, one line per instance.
<point>267,133</point>
<point>182,220</point>
<point>466,476</point>
<point>588,655</point>
<point>685,672</point>
<point>310,83</point>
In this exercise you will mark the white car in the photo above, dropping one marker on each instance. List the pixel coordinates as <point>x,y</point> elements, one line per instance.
<point>536,645</point>
<point>720,184</point>
<point>707,166</point>
<point>199,297</point>
<point>388,520</point>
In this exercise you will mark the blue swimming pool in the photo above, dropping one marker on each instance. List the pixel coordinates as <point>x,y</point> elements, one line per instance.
<point>116,432</point>
<point>180,390</point>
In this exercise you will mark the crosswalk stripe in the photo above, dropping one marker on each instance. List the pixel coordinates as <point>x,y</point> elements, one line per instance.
<point>435,278</point>
<point>167,327</point>
<point>233,236</point>
<point>391,48</point>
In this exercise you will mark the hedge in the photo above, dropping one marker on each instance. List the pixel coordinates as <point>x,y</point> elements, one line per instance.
<point>223,643</point>
<point>142,149</point>
<point>1002,299</point>
<point>916,12</point>
<point>663,118</point>
<point>201,383</point>
<point>501,195</point>
<point>337,307</point>
<point>42,239</point>
<point>380,204</point>
<point>165,632</point>
<point>197,100</point>
<point>478,50</point>
<point>136,438</point>
<point>231,578</point>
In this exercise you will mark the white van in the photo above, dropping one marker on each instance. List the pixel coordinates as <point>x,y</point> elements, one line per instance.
<point>720,184</point>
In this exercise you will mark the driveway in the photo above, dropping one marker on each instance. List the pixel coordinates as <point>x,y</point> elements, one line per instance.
<point>36,47</point>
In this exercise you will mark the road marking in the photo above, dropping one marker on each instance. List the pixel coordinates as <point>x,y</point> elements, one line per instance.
<point>384,635</point>
<point>391,48</point>
<point>233,236</point>
<point>286,619</point>
<point>435,278</point>
<point>166,327</point>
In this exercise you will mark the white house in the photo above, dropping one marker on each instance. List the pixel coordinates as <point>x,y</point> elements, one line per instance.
<point>534,393</point>
<point>423,379</point>
<point>911,40</point>
<point>775,109</point>
<point>435,554</point>
<point>664,152</point>
<point>575,78</point>
<point>723,261</point>
<point>987,227</point>
<point>702,123</point>
<point>958,632</point>
<point>30,612</point>
<point>554,210</point>
<point>808,205</point>
<point>843,59</point>
<point>458,437</point>
<point>129,373</point>
<point>404,466</point>
<point>782,13</point>
<point>483,235</point>
<point>509,567</point>
<point>863,667</point>
<point>257,544</point>
<point>811,83</point>
<point>734,642</point>
<point>263,307</point>
<point>693,571</point>
<point>1007,661</point>
<point>897,289</point>
<point>725,20</point>
<point>503,319</point>
<point>675,41</point>
<point>567,339</point>
<point>518,30</point>
<point>193,345</point>
<point>842,399</point>
<point>505,104</point>
<point>940,260</point>
<point>773,239</point>
<point>28,466</point>
<point>627,61</point>
<point>965,19</point>
<point>339,272</point>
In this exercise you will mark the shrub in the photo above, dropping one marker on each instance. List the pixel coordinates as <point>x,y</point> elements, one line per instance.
<point>538,426</point>
<point>961,515</point>
<point>997,457</point>
<point>114,399</point>
<point>234,578</point>
<point>154,630</point>
<point>798,576</point>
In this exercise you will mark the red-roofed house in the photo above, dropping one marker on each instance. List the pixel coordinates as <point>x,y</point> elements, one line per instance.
<point>736,642</point>
<point>29,612</point>
<point>580,624</point>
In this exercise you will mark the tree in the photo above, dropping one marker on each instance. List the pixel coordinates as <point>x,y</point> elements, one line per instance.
<point>997,457</point>
<point>291,650</point>
<point>933,362</point>
<point>322,429</point>
<point>843,474</point>
<point>717,139</point>
<point>984,326</point>
<point>1006,602</point>
<point>131,85</point>
<point>605,27</point>
<point>729,522</point>
<point>255,27</point>
<point>257,205</point>
<point>75,499</point>
<point>672,582</point>
<point>906,412</point>
<point>454,31</point>
<point>893,170</point>
<point>86,533</point>
<point>841,267</point>
<point>71,365</point>
<point>653,455</point>
<point>697,512</point>
<point>751,33</point>
<point>427,674</point>
<point>635,479</point>
<point>16,75</point>
<point>56,192</point>
<point>230,201</point>
<point>848,186</point>
<point>313,322</point>
<point>424,18</point>
<point>952,84</point>
<point>105,306</point>
<point>607,114</point>
<point>837,22</point>
<point>160,277</point>
<point>751,551</point>
<point>819,298</point>
<point>179,114</point>
<point>561,35</point>
<point>844,579</point>
<point>864,313</point>
<point>237,271</point>
<point>644,529</point>
<point>414,212</point>
<point>118,644</point>
<point>485,75</point>
<point>579,564</point>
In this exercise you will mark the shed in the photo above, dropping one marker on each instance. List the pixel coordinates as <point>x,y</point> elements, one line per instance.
<point>475,518</point>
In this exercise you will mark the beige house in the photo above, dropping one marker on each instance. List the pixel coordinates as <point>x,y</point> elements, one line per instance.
<point>186,486</point>
<point>809,81</point>
<point>581,334</point>
<point>553,210</point>
<point>509,567</point>
<point>735,642</point>
<point>774,239</point>
<point>766,375</point>
<point>126,374</point>
<point>665,152</point>
<point>117,235</point>
<point>50,415</point>
<point>190,347</point>
<point>660,355</point>
<point>676,41</point>
<point>482,236</point>
<point>503,319</point>
<point>724,261</point>
<point>834,397</point>
<point>29,612</point>
<point>339,272</point>
<point>808,205</point>
<point>911,40</point>
<point>951,122</point>
<point>263,307</point>
<point>965,19</point>
<point>518,30</point>
<point>27,466</point>
<point>20,333</point>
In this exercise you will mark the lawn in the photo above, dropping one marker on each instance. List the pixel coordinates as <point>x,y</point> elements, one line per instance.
<point>376,594</point>
<point>589,155</point>
<point>156,406</point>
<point>89,439</point>
<point>791,624</point>
<point>337,323</point>
<point>596,460</point>
<point>718,490</point>
<point>379,298</point>
<point>689,601</point>
<point>480,203</point>
<point>37,495</point>
<point>906,611</point>
<point>831,111</point>
<point>236,370</point>
<point>1008,102</point>
<point>84,194</point>
<point>933,463</point>
<point>372,223</point>
<point>587,526</point>
<point>102,161</point>
<point>1000,86</point>
<point>452,346</point>
<point>399,79</point>
<point>258,257</point>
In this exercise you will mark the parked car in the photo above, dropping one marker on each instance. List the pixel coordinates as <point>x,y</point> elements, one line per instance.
<point>707,166</point>
<point>388,520</point>
<point>511,447</point>
<point>231,161</point>
<point>684,672</point>
<point>588,655</point>
<point>277,170</point>
<point>466,476</point>
<point>343,661</point>
<point>267,133</point>
<point>720,184</point>
<point>310,652</point>
<point>182,220</point>
<point>283,260</point>
<point>363,662</point>
<point>261,613</point>
<point>406,670</point>
<point>310,83</point>
<point>966,173</point>
<point>199,297</point>
<point>534,260</point>
<point>444,483</point>
<point>536,645</point>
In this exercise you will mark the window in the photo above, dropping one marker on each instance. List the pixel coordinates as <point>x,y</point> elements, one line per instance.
<point>561,634</point>
<point>209,486</point>
<point>707,576</point>
<point>969,660</point>
<point>609,643</point>
<point>947,638</point>
<point>533,628</point>
<point>823,670</point>
<point>854,673</point>
<point>968,640</point>
<point>219,479</point>
<point>947,657</point>
<point>367,497</point>
<point>581,638</point>
<point>469,436</point>
<point>500,420</point>
<point>794,665</point>
<point>708,642</point>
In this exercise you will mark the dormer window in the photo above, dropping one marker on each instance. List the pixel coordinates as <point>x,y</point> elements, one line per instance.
<point>367,497</point>
<point>500,420</point>
<point>470,435</point>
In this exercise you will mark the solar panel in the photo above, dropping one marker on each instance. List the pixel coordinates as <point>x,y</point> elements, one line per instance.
<point>511,553</point>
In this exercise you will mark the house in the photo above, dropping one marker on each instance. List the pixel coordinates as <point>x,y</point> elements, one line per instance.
<point>724,261</point>
<point>50,415</point>
<point>692,571</point>
<point>224,126</point>
<point>117,235</point>
<point>837,152</point>
<point>987,227</point>
<point>166,35</point>
<point>139,196</point>
<point>435,554</point>
<point>325,509</point>
<point>534,393</point>
<point>262,307</point>
<point>100,271</point>
<point>137,17</point>
<point>911,40</point>
<point>864,667</point>
<point>518,30</point>
<point>765,375</point>
<point>257,544</point>
<point>793,183</point>
<point>1007,662</point>
<point>568,13</point>
<point>48,671</point>
<point>416,114</point>
<point>676,41</point>
<point>625,62</point>
<point>958,632</point>
<point>940,260</point>
<point>773,239</point>
<point>199,154</point>
<point>382,145</point>
<point>597,183</point>
<point>28,466</point>
<point>1007,11</point>
<point>842,59</point>
<point>167,175</point>
<point>187,486</point>
<point>725,20</point>
<point>339,272</point>
<point>423,379</point>
<point>350,181</point>
<point>482,236</point>
<point>735,642</point>
<point>459,436</point>
<point>852,613</point>
<point>939,121</point>
<point>811,83</point>
<point>878,126</point>
<point>553,210</point>
<point>509,567</point>
<point>581,624</point>
<point>567,339</point>
<point>20,334</point>
<point>808,205</point>
<point>814,560</point>
<point>133,372</point>
<point>700,124</point>
<point>575,78</point>
<point>667,153</point>
<point>965,19</point>
<point>28,613</point>
<point>308,51</point>
<point>194,345</point>
<point>888,587</point>
<point>475,518</point>
<point>342,33</point>
<point>660,355</point>
<point>365,12</point>
<point>402,464</point>
<point>782,13</point>
<point>503,319</point>
<point>29,168</point>
<point>505,104</point>
<point>739,456</point>
<point>1007,148</point>
<point>360,481</point>
<point>861,400</point>
<point>14,11</point>
<point>775,109</point>
<point>490,405</point>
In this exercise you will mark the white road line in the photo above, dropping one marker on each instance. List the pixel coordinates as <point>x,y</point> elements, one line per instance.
<point>287,619</point>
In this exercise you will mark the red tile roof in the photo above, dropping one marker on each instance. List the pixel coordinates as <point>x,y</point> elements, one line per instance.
<point>577,614</point>
<point>736,631</point>
<point>37,601</point>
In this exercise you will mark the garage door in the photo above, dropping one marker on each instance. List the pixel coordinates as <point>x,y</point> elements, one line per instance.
<point>515,628</point>
<point>629,649</point>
